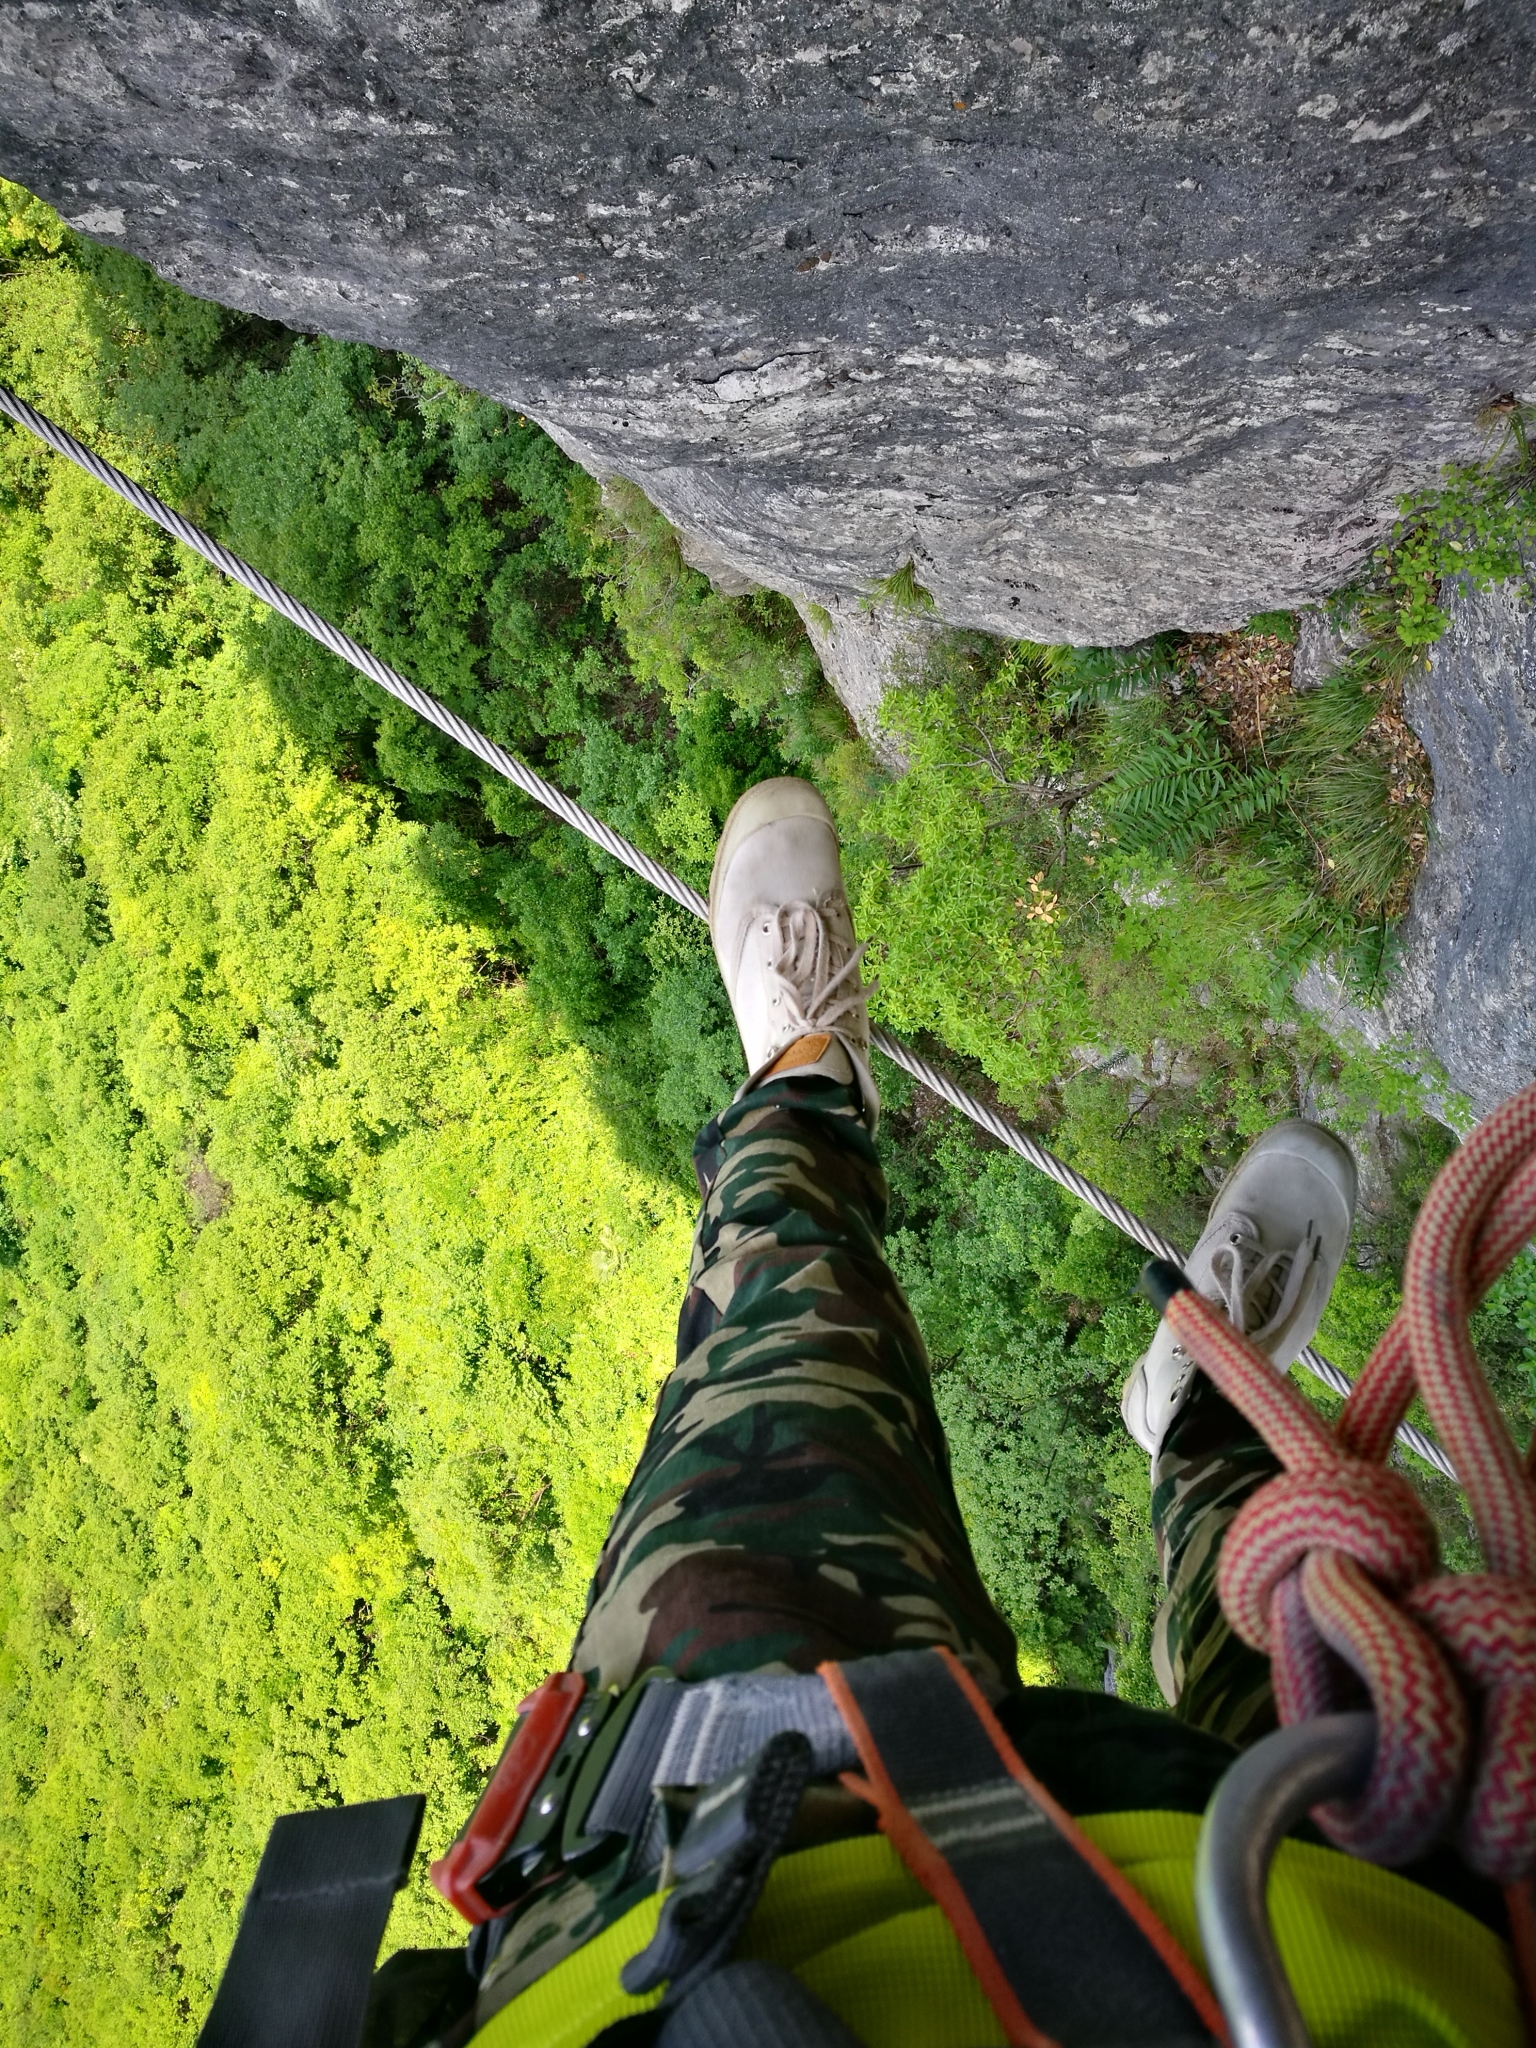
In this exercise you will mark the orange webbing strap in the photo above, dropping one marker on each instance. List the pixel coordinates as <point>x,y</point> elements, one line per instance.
<point>1065,1949</point>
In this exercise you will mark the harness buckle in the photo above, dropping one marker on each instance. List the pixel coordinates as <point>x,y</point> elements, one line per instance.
<point>537,1735</point>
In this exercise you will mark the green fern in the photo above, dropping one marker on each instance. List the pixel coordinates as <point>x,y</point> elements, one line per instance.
<point>1172,791</point>
<point>1082,677</point>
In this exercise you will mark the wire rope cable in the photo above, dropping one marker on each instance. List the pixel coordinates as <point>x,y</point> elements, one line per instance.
<point>571,813</point>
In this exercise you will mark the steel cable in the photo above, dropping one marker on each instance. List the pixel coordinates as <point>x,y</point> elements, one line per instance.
<point>571,813</point>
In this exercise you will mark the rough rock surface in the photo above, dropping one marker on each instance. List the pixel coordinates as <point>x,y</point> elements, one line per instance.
<point>1322,648</point>
<point>865,649</point>
<point>1465,985</point>
<point>1110,318</point>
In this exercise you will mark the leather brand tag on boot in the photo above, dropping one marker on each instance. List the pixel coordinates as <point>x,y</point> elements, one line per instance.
<point>805,1052</point>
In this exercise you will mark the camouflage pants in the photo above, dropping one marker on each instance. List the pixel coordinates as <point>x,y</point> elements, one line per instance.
<point>1209,1464</point>
<point>794,1501</point>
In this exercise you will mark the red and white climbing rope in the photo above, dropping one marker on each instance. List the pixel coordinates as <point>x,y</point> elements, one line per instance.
<point>1335,1563</point>
<point>565,808</point>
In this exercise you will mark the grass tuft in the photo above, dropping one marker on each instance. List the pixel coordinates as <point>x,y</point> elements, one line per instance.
<point>1369,824</point>
<point>901,591</point>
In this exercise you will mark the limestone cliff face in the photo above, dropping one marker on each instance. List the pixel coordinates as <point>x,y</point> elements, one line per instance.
<point>1464,987</point>
<point>1109,317</point>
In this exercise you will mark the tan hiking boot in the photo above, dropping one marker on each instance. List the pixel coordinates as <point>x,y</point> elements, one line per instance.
<point>1268,1258</point>
<point>783,936</point>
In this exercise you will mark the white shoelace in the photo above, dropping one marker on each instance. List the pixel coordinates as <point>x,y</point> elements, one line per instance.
<point>1259,1289</point>
<point>816,995</point>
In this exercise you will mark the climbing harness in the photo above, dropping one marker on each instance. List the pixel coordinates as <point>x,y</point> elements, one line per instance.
<point>1027,1894</point>
<point>569,812</point>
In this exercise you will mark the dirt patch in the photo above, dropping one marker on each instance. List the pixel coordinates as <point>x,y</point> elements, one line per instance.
<point>1393,740</point>
<point>209,1195</point>
<point>1245,677</point>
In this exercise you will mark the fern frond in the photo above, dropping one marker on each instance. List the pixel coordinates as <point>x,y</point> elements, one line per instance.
<point>1177,790</point>
<point>1084,676</point>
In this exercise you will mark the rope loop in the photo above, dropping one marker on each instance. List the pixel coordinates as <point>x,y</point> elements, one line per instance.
<point>1333,1569</point>
<point>1367,1512</point>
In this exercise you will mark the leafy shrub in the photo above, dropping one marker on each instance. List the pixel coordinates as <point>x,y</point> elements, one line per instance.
<point>27,226</point>
<point>1011,921</point>
<point>330,1317</point>
<point>1480,523</point>
<point>679,634</point>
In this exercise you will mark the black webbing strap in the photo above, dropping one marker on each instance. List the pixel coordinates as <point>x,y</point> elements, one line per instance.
<point>299,1972</point>
<point>1060,1956</point>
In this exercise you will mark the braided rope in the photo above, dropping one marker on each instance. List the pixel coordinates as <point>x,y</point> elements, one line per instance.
<point>1336,1562</point>
<point>569,812</point>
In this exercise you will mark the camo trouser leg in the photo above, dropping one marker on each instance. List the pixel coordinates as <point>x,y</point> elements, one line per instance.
<point>1209,1464</point>
<point>793,1501</point>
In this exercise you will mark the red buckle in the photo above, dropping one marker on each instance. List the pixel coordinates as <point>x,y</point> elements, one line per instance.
<point>542,1720</point>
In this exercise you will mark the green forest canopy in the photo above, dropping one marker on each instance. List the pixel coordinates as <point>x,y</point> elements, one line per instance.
<point>345,1105</point>
<point>335,1316</point>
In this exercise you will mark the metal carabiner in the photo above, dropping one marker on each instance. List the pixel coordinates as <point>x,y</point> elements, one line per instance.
<point>1265,1793</point>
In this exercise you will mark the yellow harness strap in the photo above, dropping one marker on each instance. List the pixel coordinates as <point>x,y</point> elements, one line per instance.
<point>1377,1962</point>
